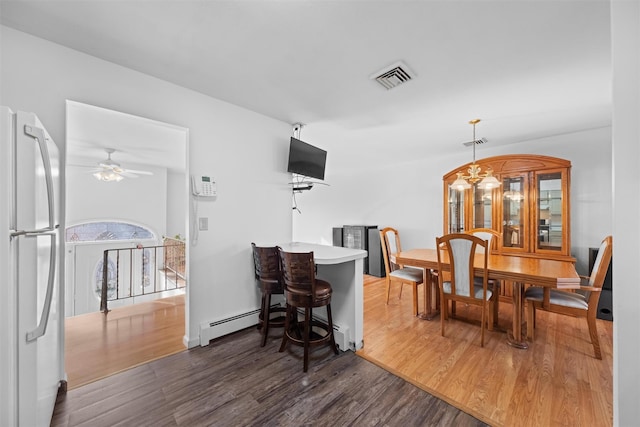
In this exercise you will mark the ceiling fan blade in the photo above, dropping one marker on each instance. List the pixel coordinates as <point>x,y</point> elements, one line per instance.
<point>137,172</point>
<point>92,171</point>
<point>127,174</point>
<point>93,167</point>
<point>108,166</point>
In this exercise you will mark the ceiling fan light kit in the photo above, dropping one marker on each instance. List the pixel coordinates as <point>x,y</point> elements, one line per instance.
<point>110,171</point>
<point>108,176</point>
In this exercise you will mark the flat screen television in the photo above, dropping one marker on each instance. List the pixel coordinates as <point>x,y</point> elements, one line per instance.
<point>307,160</point>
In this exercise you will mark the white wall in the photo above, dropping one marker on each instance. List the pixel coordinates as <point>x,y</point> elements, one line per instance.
<point>141,201</point>
<point>625,19</point>
<point>409,196</point>
<point>176,201</point>
<point>244,151</point>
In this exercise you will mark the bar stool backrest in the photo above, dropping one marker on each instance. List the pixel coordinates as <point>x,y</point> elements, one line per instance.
<point>298,271</point>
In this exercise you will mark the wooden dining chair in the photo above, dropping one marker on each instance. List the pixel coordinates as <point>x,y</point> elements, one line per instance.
<point>303,290</point>
<point>582,302</point>
<point>268,275</point>
<point>492,237</point>
<point>456,256</point>
<point>398,273</point>
<point>488,234</point>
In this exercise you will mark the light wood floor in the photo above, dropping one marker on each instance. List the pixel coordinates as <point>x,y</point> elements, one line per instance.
<point>97,346</point>
<point>557,381</point>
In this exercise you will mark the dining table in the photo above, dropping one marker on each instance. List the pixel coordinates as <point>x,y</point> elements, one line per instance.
<point>520,270</point>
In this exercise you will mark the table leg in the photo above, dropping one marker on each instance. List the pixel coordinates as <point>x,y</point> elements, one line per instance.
<point>428,281</point>
<point>514,337</point>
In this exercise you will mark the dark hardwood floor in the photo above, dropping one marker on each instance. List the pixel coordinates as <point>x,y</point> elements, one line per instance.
<point>235,382</point>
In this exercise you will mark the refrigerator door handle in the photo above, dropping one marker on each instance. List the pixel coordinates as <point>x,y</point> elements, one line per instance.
<point>38,134</point>
<point>46,308</point>
<point>31,233</point>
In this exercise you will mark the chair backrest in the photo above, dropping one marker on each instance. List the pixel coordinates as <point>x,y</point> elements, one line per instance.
<point>266,263</point>
<point>460,250</point>
<point>298,271</point>
<point>488,234</point>
<point>390,242</point>
<point>600,267</point>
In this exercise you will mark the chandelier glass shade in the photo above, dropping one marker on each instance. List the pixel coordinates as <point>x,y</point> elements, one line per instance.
<point>485,180</point>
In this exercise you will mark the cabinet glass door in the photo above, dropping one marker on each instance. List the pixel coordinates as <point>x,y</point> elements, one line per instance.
<point>514,233</point>
<point>550,214</point>
<point>482,208</point>
<point>456,211</point>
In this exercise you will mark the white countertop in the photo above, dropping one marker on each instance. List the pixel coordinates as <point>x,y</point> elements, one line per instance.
<point>325,254</point>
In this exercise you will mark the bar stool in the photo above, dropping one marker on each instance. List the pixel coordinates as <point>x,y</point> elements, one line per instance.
<point>269,277</point>
<point>304,290</point>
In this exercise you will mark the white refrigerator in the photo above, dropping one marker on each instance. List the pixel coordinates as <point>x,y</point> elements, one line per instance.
<point>31,311</point>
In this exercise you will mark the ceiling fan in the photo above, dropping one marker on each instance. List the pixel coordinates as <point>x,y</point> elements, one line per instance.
<point>109,170</point>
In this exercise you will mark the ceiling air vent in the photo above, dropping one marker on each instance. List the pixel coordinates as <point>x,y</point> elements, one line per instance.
<point>477,142</point>
<point>393,75</point>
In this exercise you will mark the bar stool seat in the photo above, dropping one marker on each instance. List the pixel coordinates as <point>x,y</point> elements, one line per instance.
<point>323,292</point>
<point>303,290</point>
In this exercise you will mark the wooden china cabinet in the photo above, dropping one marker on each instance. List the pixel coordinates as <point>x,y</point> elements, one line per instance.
<point>530,209</point>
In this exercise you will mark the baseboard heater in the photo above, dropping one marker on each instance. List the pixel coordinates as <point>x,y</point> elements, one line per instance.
<point>219,328</point>
<point>340,333</point>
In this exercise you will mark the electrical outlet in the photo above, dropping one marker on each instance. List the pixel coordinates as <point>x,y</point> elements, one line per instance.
<point>203,224</point>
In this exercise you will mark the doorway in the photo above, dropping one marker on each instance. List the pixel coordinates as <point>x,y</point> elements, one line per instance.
<point>121,169</point>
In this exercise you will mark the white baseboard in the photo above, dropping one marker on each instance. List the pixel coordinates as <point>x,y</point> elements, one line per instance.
<point>190,342</point>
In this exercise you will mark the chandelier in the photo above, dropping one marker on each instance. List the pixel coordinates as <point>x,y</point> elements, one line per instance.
<point>485,180</point>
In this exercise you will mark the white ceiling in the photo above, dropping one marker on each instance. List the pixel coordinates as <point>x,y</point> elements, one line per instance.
<point>137,141</point>
<point>529,69</point>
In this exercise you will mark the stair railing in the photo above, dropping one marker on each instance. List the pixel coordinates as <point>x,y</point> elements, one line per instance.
<point>143,270</point>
